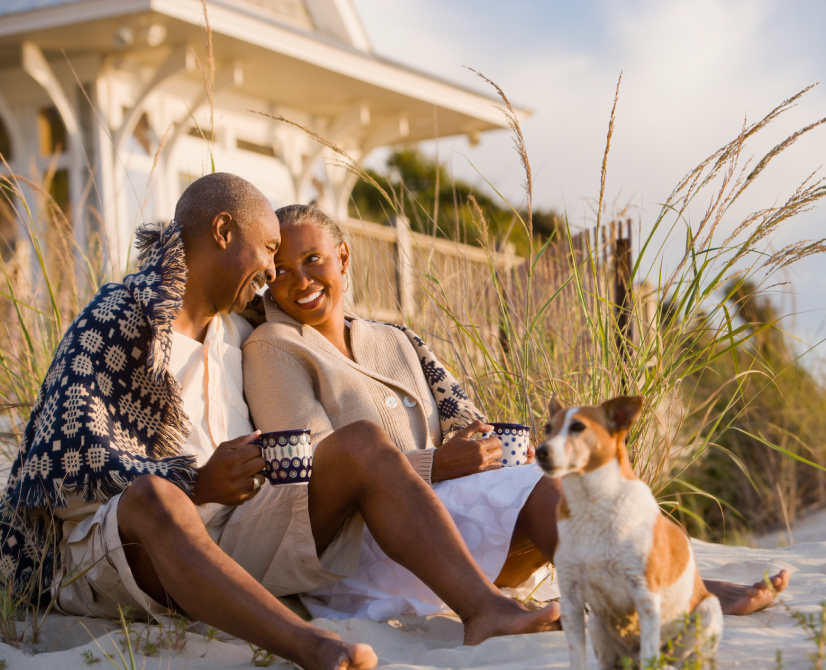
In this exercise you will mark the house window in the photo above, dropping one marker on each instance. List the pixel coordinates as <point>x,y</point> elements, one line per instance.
<point>52,132</point>
<point>5,142</point>
<point>59,190</point>
<point>142,137</point>
<point>263,149</point>
<point>8,222</point>
<point>202,133</point>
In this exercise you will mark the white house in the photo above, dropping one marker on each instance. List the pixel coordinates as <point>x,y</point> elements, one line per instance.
<point>93,88</point>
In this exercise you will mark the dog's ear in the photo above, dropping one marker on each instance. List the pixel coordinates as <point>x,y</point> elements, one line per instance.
<point>554,407</point>
<point>622,411</point>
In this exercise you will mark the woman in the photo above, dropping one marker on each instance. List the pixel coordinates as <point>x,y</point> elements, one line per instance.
<point>316,365</point>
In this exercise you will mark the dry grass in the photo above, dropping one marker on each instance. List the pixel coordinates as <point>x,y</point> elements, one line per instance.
<point>514,356</point>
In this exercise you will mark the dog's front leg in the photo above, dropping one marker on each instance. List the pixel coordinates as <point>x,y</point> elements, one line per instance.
<point>572,612</point>
<point>648,610</point>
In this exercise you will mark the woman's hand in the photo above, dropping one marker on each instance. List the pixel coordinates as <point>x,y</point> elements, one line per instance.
<point>461,455</point>
<point>228,476</point>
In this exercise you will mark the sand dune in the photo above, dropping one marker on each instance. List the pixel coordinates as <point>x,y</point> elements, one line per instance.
<point>419,644</point>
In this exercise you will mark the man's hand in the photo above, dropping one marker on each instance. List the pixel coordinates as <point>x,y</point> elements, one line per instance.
<point>227,477</point>
<point>461,455</point>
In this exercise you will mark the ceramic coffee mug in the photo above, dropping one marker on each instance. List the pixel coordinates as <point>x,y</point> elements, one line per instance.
<point>515,439</point>
<point>289,456</point>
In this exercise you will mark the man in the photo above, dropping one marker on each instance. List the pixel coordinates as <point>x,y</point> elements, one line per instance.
<point>140,444</point>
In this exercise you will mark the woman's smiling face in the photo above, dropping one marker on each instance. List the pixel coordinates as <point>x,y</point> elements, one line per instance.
<point>308,283</point>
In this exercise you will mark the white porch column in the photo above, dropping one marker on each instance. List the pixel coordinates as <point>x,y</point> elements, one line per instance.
<point>35,64</point>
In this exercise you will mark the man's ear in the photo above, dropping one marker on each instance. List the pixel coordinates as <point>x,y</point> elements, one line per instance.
<point>622,411</point>
<point>223,229</point>
<point>554,407</point>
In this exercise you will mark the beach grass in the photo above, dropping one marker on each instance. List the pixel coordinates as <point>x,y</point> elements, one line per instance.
<point>724,390</point>
<point>700,361</point>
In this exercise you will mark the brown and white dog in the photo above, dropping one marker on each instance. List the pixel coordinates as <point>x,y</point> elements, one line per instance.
<point>617,551</point>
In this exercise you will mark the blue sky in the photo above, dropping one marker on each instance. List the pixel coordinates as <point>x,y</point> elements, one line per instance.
<point>693,72</point>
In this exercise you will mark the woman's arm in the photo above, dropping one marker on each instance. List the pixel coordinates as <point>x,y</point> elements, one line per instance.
<point>456,411</point>
<point>280,393</point>
<point>281,396</point>
<point>461,455</point>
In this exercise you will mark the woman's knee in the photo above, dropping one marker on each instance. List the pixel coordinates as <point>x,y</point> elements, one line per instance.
<point>362,443</point>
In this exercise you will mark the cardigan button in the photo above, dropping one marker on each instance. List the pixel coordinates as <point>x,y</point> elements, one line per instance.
<point>391,401</point>
<point>409,402</point>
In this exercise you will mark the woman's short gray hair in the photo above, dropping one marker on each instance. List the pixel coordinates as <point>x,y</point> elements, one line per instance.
<point>302,215</point>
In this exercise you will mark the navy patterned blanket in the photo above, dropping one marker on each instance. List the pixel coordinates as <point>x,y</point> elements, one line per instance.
<point>108,410</point>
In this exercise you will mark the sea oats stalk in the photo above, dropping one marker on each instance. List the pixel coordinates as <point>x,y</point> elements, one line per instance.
<point>521,338</point>
<point>517,330</point>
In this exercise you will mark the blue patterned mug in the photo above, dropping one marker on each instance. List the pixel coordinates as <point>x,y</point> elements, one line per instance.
<point>515,439</point>
<point>289,456</point>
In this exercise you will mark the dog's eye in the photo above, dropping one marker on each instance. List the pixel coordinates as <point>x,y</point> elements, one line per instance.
<point>576,427</point>
<point>547,429</point>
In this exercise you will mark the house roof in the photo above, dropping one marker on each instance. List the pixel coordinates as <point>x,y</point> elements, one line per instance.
<point>18,6</point>
<point>323,71</point>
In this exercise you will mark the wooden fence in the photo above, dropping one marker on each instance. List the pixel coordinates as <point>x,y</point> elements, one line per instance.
<point>405,277</point>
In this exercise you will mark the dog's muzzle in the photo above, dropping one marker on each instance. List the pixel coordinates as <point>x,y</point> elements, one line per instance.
<point>543,457</point>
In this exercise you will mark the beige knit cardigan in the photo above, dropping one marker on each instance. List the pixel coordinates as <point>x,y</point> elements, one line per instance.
<point>295,378</point>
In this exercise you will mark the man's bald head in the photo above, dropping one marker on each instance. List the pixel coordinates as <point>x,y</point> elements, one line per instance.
<point>208,196</point>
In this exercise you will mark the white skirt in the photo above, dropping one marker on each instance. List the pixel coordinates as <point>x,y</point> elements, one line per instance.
<point>484,507</point>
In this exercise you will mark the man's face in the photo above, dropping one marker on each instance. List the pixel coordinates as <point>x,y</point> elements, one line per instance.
<point>248,264</point>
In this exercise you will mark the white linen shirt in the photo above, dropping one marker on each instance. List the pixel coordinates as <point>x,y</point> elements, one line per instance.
<point>212,390</point>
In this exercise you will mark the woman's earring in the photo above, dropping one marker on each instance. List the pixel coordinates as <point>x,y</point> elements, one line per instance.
<point>346,281</point>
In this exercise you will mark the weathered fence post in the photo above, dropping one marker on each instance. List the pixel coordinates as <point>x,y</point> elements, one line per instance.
<point>405,279</point>
<point>623,262</point>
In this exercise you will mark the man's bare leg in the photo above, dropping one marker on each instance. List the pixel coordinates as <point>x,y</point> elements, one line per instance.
<point>358,468</point>
<point>534,542</point>
<point>170,552</point>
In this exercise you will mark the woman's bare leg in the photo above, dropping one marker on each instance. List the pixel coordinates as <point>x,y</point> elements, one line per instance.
<point>741,600</point>
<point>358,468</point>
<point>534,538</point>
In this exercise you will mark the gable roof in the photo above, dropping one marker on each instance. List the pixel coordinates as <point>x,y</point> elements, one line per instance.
<point>333,18</point>
<point>20,6</point>
<point>324,72</point>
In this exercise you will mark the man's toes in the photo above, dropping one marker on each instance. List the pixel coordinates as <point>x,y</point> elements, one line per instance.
<point>362,657</point>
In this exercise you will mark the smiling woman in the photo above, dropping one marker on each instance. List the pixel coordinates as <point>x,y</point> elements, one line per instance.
<point>316,365</point>
<point>309,272</point>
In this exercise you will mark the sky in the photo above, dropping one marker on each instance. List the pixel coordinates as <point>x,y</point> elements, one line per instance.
<point>693,71</point>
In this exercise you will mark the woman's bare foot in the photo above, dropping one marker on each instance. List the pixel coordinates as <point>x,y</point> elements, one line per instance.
<point>508,617</point>
<point>740,600</point>
<point>332,653</point>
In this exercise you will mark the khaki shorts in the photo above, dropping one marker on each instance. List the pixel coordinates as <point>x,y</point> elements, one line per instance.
<point>269,536</point>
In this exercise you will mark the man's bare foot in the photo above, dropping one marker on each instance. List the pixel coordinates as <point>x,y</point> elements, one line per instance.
<point>508,617</point>
<point>333,653</point>
<point>740,600</point>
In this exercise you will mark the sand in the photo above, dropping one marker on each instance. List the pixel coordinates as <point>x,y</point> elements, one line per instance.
<point>808,528</point>
<point>748,643</point>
